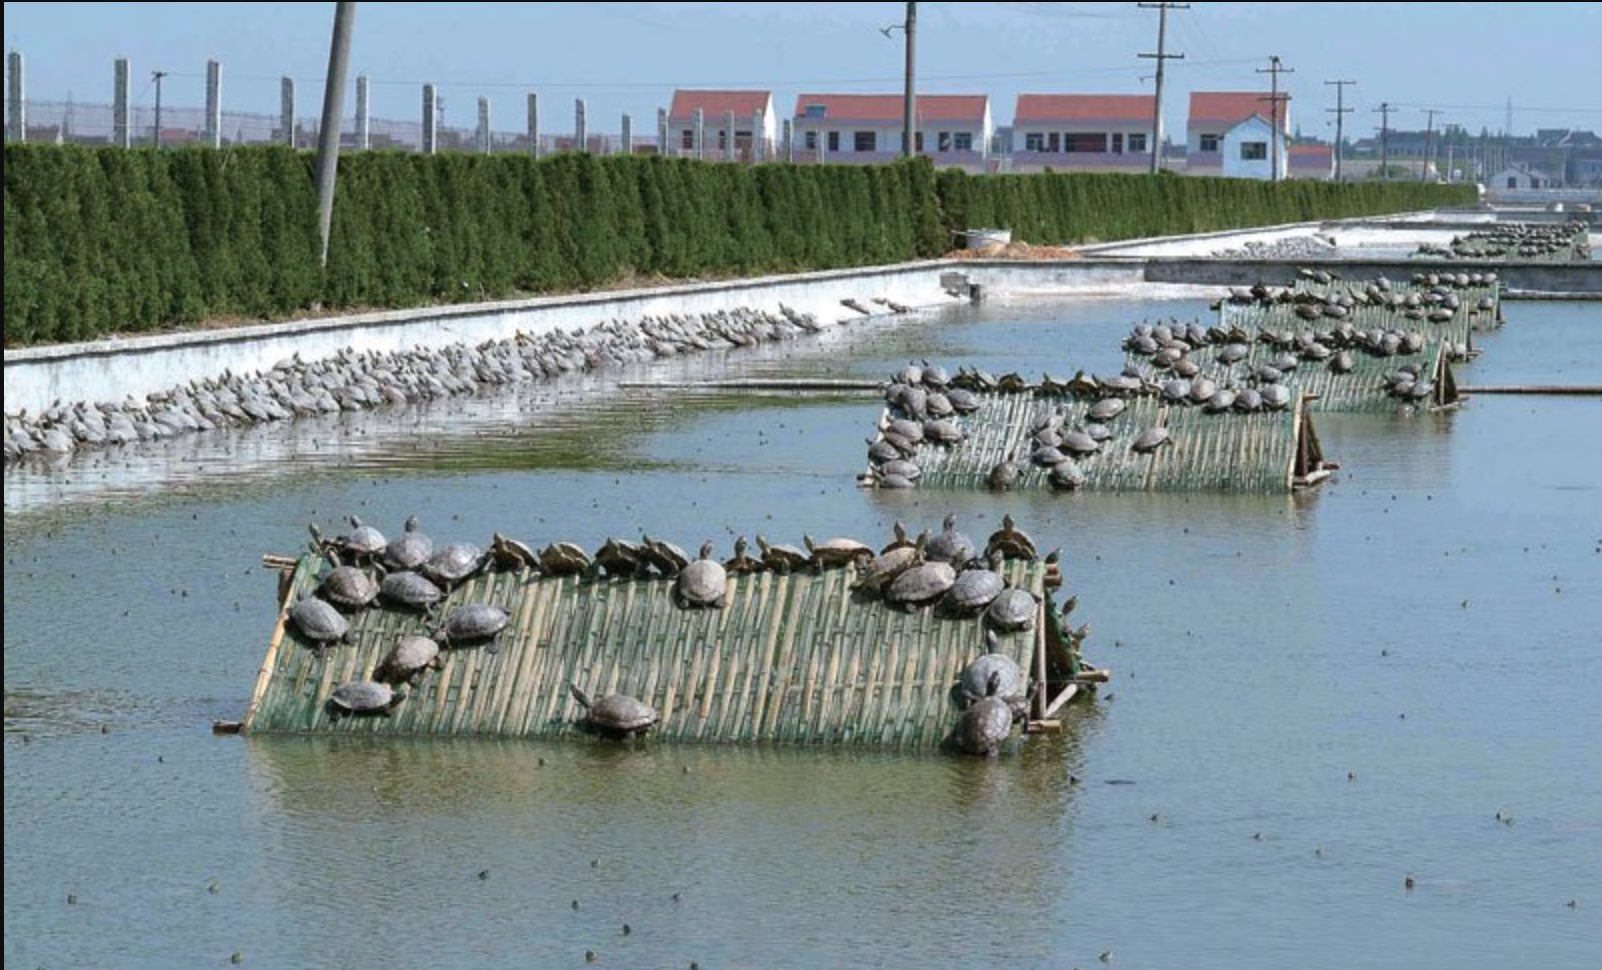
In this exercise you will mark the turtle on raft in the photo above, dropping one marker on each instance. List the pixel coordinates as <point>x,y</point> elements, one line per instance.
<point>362,698</point>
<point>473,623</point>
<point>616,715</point>
<point>407,660</point>
<point>985,725</point>
<point>703,583</point>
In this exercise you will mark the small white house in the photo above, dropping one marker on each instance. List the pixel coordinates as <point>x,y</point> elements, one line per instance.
<point>1250,150</point>
<point>951,129</point>
<point>1518,177</point>
<point>754,122</point>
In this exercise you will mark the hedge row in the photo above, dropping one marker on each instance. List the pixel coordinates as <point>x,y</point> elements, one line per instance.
<point>102,241</point>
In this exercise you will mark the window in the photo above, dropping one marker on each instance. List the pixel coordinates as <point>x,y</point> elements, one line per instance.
<point>1053,143</point>
<point>811,141</point>
<point>917,141</point>
<point>687,142</point>
<point>944,143</point>
<point>1209,143</point>
<point>1512,181</point>
<point>723,138</point>
<point>834,141</point>
<point>1085,142</point>
<point>963,141</point>
<point>1117,143</point>
<point>1253,151</point>
<point>814,111</point>
<point>1034,142</point>
<point>864,141</point>
<point>1136,144</point>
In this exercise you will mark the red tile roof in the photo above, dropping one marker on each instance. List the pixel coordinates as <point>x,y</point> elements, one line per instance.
<point>716,104</point>
<point>1083,107</point>
<point>1312,151</point>
<point>1228,107</point>
<point>888,107</point>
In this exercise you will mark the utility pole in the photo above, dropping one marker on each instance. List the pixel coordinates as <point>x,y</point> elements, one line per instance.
<point>909,106</point>
<point>1429,145</point>
<point>1162,57</point>
<point>157,76</point>
<point>1385,110</point>
<point>333,107</point>
<point>1275,68</point>
<point>1340,111</point>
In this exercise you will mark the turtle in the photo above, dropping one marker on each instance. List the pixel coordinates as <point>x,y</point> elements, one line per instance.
<point>407,659</point>
<point>1080,444</point>
<point>1176,391</point>
<point>985,724</point>
<point>1098,433</point>
<point>881,451</point>
<point>703,583</point>
<point>1343,363</point>
<point>473,623</point>
<point>1013,609</point>
<point>1047,455</point>
<point>411,591</point>
<point>973,590</point>
<point>1107,409</point>
<point>564,559</point>
<point>909,430</point>
<point>974,680</point>
<point>901,468</point>
<point>1201,390</point>
<point>1233,353</point>
<point>454,564</point>
<point>949,545</point>
<point>1276,397</point>
<point>888,565</point>
<point>365,543</point>
<point>319,623</point>
<point>348,588</point>
<point>922,584</point>
<point>962,401</point>
<point>837,552</point>
<point>512,555</point>
<point>1248,400</point>
<point>619,557</point>
<point>663,556</point>
<point>1222,400</point>
<point>742,563</point>
<point>411,549</point>
<point>1012,543</point>
<point>894,482</point>
<point>1150,440</point>
<point>616,715</point>
<point>1067,477</point>
<point>942,432</point>
<point>899,539</point>
<point>363,697</point>
<point>1005,475</point>
<point>783,558</point>
<point>1187,368</point>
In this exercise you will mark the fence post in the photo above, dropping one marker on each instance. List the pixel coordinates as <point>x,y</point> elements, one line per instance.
<point>16,104</point>
<point>661,131</point>
<point>430,120</point>
<point>484,126</point>
<point>214,103</point>
<point>789,142</point>
<point>580,134</point>
<point>534,125</point>
<point>121,130</point>
<point>364,121</point>
<point>628,135</point>
<point>759,139</point>
<point>728,136</point>
<point>286,110</point>
<point>700,135</point>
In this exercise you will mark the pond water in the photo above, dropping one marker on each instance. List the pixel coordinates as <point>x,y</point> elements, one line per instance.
<point>1315,697</point>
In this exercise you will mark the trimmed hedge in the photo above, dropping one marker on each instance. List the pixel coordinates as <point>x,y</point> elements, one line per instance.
<point>102,240</point>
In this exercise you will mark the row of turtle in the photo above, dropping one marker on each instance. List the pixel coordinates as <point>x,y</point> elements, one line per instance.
<point>1563,242</point>
<point>1432,305</point>
<point>353,380</point>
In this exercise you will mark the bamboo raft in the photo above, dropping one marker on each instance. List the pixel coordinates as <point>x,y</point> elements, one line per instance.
<point>1469,295</point>
<point>795,659</point>
<point>1261,452</point>
<point>1282,317</point>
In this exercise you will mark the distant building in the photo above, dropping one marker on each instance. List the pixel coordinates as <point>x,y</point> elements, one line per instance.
<point>1311,160</point>
<point>715,107</point>
<point>1213,114</point>
<point>1250,151</point>
<point>1082,132</point>
<point>1517,177</point>
<point>952,129</point>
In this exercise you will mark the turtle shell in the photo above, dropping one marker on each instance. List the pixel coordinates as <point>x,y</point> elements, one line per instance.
<point>318,622</point>
<point>949,545</point>
<point>473,622</point>
<point>363,696</point>
<point>921,584</point>
<point>887,566</point>
<point>702,583</point>
<point>619,712</point>
<point>1067,476</point>
<point>973,591</point>
<point>410,590</point>
<point>1150,440</point>
<point>348,588</point>
<point>364,540</point>
<point>563,559</point>
<point>409,550</point>
<point>409,656</point>
<point>1013,609</point>
<point>454,563</point>
<point>984,726</point>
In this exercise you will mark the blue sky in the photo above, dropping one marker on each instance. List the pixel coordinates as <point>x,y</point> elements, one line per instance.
<point>629,56</point>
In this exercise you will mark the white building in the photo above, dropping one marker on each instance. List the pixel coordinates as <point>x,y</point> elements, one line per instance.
<point>1250,150</point>
<point>1518,177</point>
<point>951,129</point>
<point>753,115</point>
<point>1082,132</point>
<point>1213,114</point>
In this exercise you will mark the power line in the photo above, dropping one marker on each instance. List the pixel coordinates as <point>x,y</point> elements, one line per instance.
<point>1162,57</point>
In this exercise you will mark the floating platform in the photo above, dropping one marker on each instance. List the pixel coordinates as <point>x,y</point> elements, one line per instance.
<point>1282,317</point>
<point>794,659</point>
<point>1471,295</point>
<point>1267,451</point>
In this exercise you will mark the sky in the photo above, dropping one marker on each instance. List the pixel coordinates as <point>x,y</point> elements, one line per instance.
<point>628,57</point>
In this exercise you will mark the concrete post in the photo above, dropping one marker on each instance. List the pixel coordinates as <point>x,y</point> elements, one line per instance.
<point>16,104</point>
<point>661,131</point>
<point>286,110</point>
<point>789,141</point>
<point>728,136</point>
<point>700,134</point>
<point>364,121</point>
<point>484,126</point>
<point>121,129</point>
<point>627,139</point>
<point>534,125</point>
<point>580,132</point>
<point>214,104</point>
<point>759,142</point>
<point>333,115</point>
<point>823,146</point>
<point>430,120</point>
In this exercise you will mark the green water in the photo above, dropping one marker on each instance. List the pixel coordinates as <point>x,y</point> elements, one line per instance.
<point>1263,648</point>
